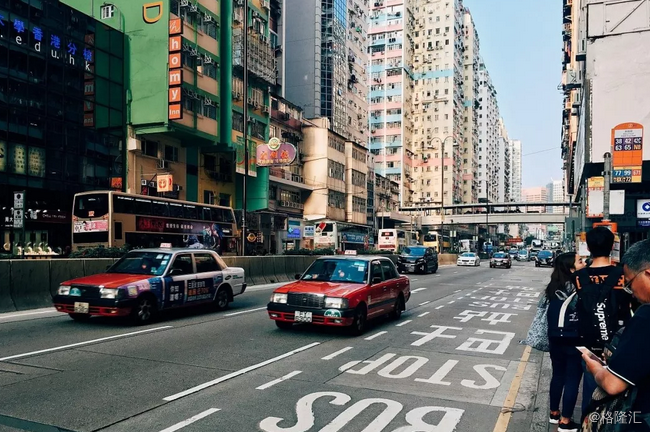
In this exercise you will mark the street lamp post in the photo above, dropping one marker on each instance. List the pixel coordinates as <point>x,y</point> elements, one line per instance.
<point>442,189</point>
<point>245,131</point>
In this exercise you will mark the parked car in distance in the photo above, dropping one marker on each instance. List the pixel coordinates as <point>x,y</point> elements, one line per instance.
<point>468,259</point>
<point>544,258</point>
<point>522,255</point>
<point>500,259</point>
<point>513,253</point>
<point>532,255</point>
<point>146,281</point>
<point>417,259</point>
<point>343,291</point>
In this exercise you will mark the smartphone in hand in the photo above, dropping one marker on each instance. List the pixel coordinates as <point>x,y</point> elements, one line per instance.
<point>592,356</point>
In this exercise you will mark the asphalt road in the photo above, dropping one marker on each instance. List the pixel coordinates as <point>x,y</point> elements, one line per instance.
<point>452,361</point>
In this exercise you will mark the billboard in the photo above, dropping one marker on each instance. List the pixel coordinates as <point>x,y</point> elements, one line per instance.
<point>627,153</point>
<point>275,153</point>
<point>595,197</point>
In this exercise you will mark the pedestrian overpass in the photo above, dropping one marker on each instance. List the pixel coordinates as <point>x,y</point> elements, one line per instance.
<point>489,213</point>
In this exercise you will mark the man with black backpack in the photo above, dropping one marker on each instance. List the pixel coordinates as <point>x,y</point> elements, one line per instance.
<point>626,377</point>
<point>603,305</point>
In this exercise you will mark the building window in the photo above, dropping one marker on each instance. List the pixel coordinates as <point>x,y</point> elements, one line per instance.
<point>336,144</point>
<point>209,69</point>
<point>188,60</point>
<point>358,205</point>
<point>335,170</point>
<point>358,178</point>
<point>238,121</point>
<point>290,196</point>
<point>149,148</point>
<point>336,199</point>
<point>210,111</point>
<point>171,153</point>
<point>258,130</point>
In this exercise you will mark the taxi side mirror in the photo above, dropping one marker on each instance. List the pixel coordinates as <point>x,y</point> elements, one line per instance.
<point>376,280</point>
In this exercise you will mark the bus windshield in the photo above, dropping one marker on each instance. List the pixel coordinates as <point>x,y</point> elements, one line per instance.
<point>144,263</point>
<point>91,205</point>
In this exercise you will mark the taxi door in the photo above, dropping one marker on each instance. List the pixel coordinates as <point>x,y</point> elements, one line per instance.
<point>180,274</point>
<point>208,277</point>
<point>379,290</point>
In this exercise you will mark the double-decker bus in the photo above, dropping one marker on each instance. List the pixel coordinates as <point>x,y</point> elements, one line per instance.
<point>115,219</point>
<point>394,240</point>
<point>434,240</point>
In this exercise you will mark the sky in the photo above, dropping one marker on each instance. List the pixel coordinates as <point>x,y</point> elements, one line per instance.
<point>521,44</point>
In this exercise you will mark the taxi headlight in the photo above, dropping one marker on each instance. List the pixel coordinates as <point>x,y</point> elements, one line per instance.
<point>108,293</point>
<point>335,303</point>
<point>64,290</point>
<point>279,298</point>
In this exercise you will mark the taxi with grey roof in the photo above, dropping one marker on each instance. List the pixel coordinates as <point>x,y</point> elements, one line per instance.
<point>145,282</point>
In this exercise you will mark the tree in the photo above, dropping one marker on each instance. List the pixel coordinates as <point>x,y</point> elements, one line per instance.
<point>529,240</point>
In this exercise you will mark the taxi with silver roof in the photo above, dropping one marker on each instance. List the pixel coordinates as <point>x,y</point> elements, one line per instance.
<point>344,291</point>
<point>145,282</point>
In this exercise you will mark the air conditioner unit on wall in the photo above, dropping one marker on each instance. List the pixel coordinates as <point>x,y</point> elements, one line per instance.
<point>162,164</point>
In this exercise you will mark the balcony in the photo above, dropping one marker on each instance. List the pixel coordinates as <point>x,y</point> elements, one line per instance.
<point>261,57</point>
<point>286,119</point>
<point>283,176</point>
<point>291,205</point>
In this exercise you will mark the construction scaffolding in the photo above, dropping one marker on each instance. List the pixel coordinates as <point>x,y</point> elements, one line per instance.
<point>261,57</point>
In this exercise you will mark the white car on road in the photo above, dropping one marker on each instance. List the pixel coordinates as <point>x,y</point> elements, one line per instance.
<point>468,259</point>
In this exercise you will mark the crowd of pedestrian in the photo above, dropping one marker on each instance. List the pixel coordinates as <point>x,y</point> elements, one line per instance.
<point>598,334</point>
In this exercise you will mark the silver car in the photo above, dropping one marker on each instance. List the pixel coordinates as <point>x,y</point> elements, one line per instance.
<point>468,259</point>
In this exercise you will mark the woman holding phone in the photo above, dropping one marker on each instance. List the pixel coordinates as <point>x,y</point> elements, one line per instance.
<point>566,360</point>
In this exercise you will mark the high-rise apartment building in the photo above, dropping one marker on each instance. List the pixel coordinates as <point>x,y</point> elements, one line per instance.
<point>558,195</point>
<point>470,145</point>
<point>438,100</point>
<point>357,79</point>
<point>515,170</point>
<point>391,52</point>
<point>488,123</point>
<point>316,59</point>
<point>535,195</point>
<point>504,163</point>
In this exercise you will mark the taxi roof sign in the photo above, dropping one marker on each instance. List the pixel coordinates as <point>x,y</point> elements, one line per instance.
<point>166,245</point>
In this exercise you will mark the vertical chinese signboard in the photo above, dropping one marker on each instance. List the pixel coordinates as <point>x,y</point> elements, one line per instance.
<point>175,69</point>
<point>627,153</point>
<point>89,81</point>
<point>595,197</point>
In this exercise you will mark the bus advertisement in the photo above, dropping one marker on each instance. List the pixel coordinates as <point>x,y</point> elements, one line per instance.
<point>115,219</point>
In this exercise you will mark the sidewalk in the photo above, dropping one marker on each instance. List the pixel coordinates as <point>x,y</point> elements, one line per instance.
<point>532,408</point>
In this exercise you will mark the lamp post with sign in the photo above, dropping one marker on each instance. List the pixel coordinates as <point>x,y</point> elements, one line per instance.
<point>19,216</point>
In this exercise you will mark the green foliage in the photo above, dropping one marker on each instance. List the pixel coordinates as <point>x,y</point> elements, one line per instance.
<point>100,252</point>
<point>529,240</point>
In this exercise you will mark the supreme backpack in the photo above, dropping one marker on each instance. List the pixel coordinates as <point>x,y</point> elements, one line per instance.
<point>597,308</point>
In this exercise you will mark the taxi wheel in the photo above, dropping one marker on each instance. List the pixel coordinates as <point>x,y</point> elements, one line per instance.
<point>222,299</point>
<point>79,316</point>
<point>399,308</point>
<point>284,325</point>
<point>145,310</point>
<point>360,319</point>
<point>435,268</point>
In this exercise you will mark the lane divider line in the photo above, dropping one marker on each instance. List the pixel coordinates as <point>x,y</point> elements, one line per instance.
<point>504,416</point>
<point>423,314</point>
<point>376,335</point>
<point>235,374</point>
<point>74,345</point>
<point>440,307</point>
<point>337,353</point>
<point>278,381</point>
<point>457,291</point>
<point>453,301</point>
<point>403,323</point>
<point>191,420</point>
<point>414,280</point>
<point>417,290</point>
<point>245,311</point>
<point>22,314</point>
<point>423,303</point>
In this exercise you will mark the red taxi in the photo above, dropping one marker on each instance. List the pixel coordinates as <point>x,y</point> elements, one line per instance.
<point>341,291</point>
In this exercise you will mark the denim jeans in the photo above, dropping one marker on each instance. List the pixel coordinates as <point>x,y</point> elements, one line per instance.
<point>565,381</point>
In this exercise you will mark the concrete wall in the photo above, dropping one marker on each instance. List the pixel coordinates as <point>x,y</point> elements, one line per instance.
<point>30,284</point>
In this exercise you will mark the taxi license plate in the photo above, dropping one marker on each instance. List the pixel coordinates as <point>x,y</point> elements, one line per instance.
<point>83,308</point>
<point>302,317</point>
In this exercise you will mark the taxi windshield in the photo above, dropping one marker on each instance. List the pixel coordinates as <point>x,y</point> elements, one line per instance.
<point>500,255</point>
<point>545,254</point>
<point>144,263</point>
<point>337,270</point>
<point>415,251</point>
<point>468,255</point>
